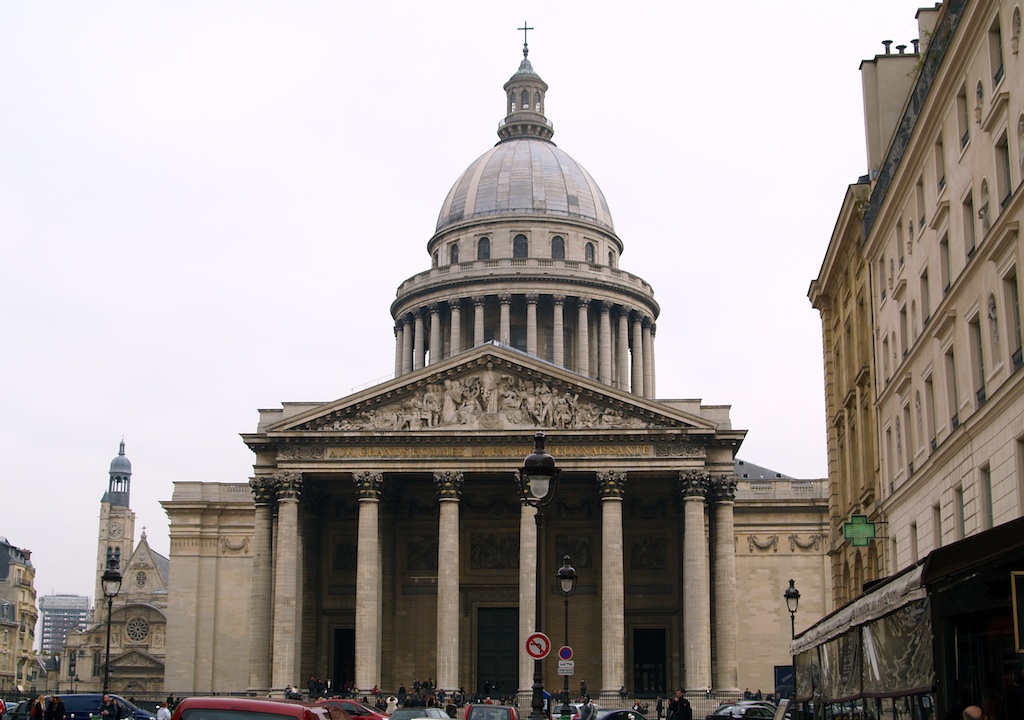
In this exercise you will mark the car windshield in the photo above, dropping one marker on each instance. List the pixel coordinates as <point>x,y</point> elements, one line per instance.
<point>225,714</point>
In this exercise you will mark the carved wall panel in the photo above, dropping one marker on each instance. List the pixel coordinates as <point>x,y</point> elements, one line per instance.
<point>577,547</point>
<point>649,552</point>
<point>421,553</point>
<point>491,551</point>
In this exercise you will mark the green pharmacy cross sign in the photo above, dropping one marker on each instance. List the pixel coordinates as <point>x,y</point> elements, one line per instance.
<point>858,531</point>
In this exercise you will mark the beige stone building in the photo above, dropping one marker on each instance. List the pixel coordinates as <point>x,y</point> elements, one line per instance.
<point>383,538</point>
<point>920,301</point>
<point>18,616</point>
<point>138,620</point>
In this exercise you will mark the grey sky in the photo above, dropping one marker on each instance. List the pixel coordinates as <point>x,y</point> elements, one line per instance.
<point>206,208</point>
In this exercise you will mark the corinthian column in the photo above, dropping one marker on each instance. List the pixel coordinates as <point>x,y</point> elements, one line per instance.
<point>407,346</point>
<point>623,354</point>
<point>505,319</point>
<point>264,491</point>
<point>558,331</point>
<point>648,359</point>
<point>456,325</point>
<point>653,365</point>
<point>638,355</point>
<point>368,594</point>
<point>583,337</point>
<point>398,348</point>
<point>527,589</point>
<point>449,488</point>
<point>611,487</point>
<point>531,324</point>
<point>419,348</point>
<point>286,581</point>
<point>696,600</point>
<point>604,367</point>
<point>435,333</point>
<point>723,491</point>
<point>478,320</point>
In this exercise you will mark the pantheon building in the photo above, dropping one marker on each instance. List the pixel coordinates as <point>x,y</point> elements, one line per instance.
<point>383,538</point>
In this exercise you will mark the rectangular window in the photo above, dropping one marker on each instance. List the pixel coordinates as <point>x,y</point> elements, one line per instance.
<point>899,241</point>
<point>926,303</point>
<point>885,358</point>
<point>963,119</point>
<point>890,464</point>
<point>908,440</point>
<point>1012,304</point>
<point>881,277</point>
<point>940,165</point>
<point>977,359</point>
<point>919,192</point>
<point>985,496</point>
<point>929,411</point>
<point>995,50</point>
<point>1004,180</point>
<point>959,525</point>
<point>951,390</point>
<point>936,526</point>
<point>970,233</point>
<point>903,331</point>
<point>945,276</point>
<point>913,542</point>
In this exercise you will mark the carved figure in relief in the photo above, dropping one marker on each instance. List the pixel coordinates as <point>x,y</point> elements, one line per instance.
<point>452,402</point>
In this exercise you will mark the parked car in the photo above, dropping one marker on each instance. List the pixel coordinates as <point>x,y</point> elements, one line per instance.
<point>575,707</point>
<point>17,711</point>
<point>745,710</point>
<point>355,709</point>
<point>416,713</point>
<point>249,708</point>
<point>619,714</point>
<point>485,711</point>
<point>81,706</point>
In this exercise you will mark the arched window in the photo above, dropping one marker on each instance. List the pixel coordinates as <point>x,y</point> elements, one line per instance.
<point>588,252</point>
<point>483,249</point>
<point>435,260</point>
<point>453,254</point>
<point>536,101</point>
<point>611,259</point>
<point>524,100</point>
<point>557,248</point>
<point>520,247</point>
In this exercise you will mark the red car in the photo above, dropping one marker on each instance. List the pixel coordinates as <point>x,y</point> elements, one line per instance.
<point>250,708</point>
<point>486,711</point>
<point>356,710</point>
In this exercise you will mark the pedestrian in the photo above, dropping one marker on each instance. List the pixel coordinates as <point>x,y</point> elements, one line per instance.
<point>685,711</point>
<point>37,710</point>
<point>583,690</point>
<point>109,708</point>
<point>58,707</point>
<point>659,707</point>
<point>588,711</point>
<point>164,712</point>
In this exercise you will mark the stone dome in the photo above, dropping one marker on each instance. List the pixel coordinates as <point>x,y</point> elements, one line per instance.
<point>525,175</point>
<point>120,465</point>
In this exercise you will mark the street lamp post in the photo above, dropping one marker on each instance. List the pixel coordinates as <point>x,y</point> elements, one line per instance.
<point>792,596</point>
<point>567,585</point>
<point>538,479</point>
<point>111,582</point>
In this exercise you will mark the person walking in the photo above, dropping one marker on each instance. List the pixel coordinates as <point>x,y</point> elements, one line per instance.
<point>109,709</point>
<point>164,712</point>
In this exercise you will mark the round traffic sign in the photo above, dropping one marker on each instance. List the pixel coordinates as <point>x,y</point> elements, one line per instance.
<point>565,652</point>
<point>538,645</point>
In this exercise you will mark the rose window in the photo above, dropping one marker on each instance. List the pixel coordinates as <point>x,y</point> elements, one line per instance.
<point>137,629</point>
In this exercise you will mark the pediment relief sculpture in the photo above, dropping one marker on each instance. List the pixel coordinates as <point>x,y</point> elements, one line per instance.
<point>488,400</point>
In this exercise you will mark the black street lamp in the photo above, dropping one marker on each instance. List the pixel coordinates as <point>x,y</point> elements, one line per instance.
<point>111,582</point>
<point>792,596</point>
<point>538,479</point>
<point>567,586</point>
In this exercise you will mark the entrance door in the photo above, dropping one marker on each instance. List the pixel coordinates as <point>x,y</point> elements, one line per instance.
<point>344,671</point>
<point>497,655</point>
<point>649,672</point>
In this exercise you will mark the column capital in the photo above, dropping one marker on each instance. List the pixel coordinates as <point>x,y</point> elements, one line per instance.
<point>723,488</point>
<point>479,300</point>
<point>532,298</point>
<point>264,489</point>
<point>605,306</point>
<point>583,300</point>
<point>398,327</point>
<point>289,485</point>
<point>454,303</point>
<point>449,484</point>
<point>648,322</point>
<point>611,484</point>
<point>693,483</point>
<point>409,318</point>
<point>505,298</point>
<point>654,328</point>
<point>368,484</point>
<point>434,308</point>
<point>420,312</point>
<point>558,299</point>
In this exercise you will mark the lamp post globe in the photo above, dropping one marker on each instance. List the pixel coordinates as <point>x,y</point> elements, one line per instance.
<point>792,596</point>
<point>538,478</point>
<point>111,582</point>
<point>567,586</point>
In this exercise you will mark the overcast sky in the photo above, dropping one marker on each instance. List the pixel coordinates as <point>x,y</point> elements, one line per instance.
<point>206,209</point>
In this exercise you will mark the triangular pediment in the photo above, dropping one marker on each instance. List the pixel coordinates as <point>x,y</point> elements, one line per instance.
<point>491,388</point>
<point>136,659</point>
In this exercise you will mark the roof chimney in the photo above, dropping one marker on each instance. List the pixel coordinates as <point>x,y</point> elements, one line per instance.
<point>887,43</point>
<point>901,48</point>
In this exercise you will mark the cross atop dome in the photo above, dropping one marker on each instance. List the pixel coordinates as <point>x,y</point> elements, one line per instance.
<point>526,47</point>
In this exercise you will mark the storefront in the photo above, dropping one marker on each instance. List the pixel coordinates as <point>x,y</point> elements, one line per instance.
<point>927,642</point>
